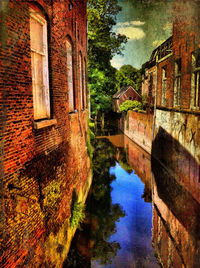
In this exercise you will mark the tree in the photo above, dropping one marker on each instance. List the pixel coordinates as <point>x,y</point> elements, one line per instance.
<point>133,74</point>
<point>122,80</point>
<point>103,44</point>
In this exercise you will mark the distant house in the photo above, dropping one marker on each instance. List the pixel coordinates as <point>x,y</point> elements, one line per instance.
<point>125,93</point>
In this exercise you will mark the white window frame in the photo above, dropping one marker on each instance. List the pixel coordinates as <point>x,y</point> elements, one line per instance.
<point>45,90</point>
<point>195,81</point>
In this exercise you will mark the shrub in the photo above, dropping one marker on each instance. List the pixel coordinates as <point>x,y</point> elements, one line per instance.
<point>77,212</point>
<point>91,125</point>
<point>130,105</point>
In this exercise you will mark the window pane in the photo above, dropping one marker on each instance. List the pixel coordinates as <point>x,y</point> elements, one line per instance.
<point>39,97</point>
<point>36,29</point>
<point>70,76</point>
<point>39,62</point>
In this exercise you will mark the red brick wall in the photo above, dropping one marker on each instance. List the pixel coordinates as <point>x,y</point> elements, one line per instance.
<point>185,41</point>
<point>138,127</point>
<point>146,84</point>
<point>34,161</point>
<point>129,93</point>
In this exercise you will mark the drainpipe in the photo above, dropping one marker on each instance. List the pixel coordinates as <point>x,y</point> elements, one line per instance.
<point>153,130</point>
<point>77,73</point>
<point>155,100</point>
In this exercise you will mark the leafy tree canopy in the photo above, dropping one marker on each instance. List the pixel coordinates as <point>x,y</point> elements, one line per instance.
<point>103,44</point>
<point>132,77</point>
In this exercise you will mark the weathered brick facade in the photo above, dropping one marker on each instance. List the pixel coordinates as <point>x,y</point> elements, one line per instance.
<point>138,127</point>
<point>43,161</point>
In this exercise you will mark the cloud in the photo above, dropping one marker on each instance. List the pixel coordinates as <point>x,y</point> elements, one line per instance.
<point>133,33</point>
<point>117,62</point>
<point>131,29</point>
<point>157,43</point>
<point>130,23</point>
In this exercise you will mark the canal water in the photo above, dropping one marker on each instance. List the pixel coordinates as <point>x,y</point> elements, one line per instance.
<point>118,228</point>
<point>140,212</point>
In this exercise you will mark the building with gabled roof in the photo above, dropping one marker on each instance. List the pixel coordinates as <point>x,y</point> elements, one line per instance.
<point>125,93</point>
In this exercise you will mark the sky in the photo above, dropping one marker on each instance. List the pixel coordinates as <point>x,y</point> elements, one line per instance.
<point>147,23</point>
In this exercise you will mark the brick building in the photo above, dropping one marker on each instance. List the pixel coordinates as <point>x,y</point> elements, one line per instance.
<point>125,93</point>
<point>156,74</point>
<point>176,66</point>
<point>173,69</point>
<point>43,111</point>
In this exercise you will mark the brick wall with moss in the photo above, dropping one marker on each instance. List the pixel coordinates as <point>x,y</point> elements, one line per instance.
<point>40,168</point>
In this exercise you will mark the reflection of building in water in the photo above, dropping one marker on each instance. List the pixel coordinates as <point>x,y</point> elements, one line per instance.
<point>176,221</point>
<point>134,158</point>
<point>140,161</point>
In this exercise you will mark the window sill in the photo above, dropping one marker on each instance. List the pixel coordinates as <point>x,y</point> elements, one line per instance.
<point>73,112</point>
<point>45,123</point>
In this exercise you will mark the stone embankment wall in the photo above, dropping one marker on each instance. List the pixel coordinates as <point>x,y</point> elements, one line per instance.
<point>138,127</point>
<point>177,145</point>
<point>176,142</point>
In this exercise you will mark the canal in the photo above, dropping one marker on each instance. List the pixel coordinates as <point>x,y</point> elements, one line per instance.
<point>137,214</point>
<point>118,228</point>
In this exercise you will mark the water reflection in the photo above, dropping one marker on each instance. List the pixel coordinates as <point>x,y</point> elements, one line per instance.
<point>117,232</point>
<point>176,208</point>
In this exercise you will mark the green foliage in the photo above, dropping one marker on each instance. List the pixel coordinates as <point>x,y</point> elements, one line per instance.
<point>127,121</point>
<point>100,208</point>
<point>122,80</point>
<point>125,166</point>
<point>89,148</point>
<point>91,125</point>
<point>130,105</point>
<point>90,136</point>
<point>129,76</point>
<point>103,44</point>
<point>77,212</point>
<point>144,98</point>
<point>91,133</point>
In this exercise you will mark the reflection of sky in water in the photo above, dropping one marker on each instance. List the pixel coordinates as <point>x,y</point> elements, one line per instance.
<point>134,230</point>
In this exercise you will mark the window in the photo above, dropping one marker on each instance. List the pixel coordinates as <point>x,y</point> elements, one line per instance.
<point>164,84</point>
<point>195,83</point>
<point>81,81</point>
<point>39,64</point>
<point>150,84</point>
<point>177,83</point>
<point>70,75</point>
<point>130,98</point>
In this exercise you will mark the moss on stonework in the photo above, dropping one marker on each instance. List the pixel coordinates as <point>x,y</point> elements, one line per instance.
<point>127,120</point>
<point>77,212</point>
<point>52,194</point>
<point>90,136</point>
